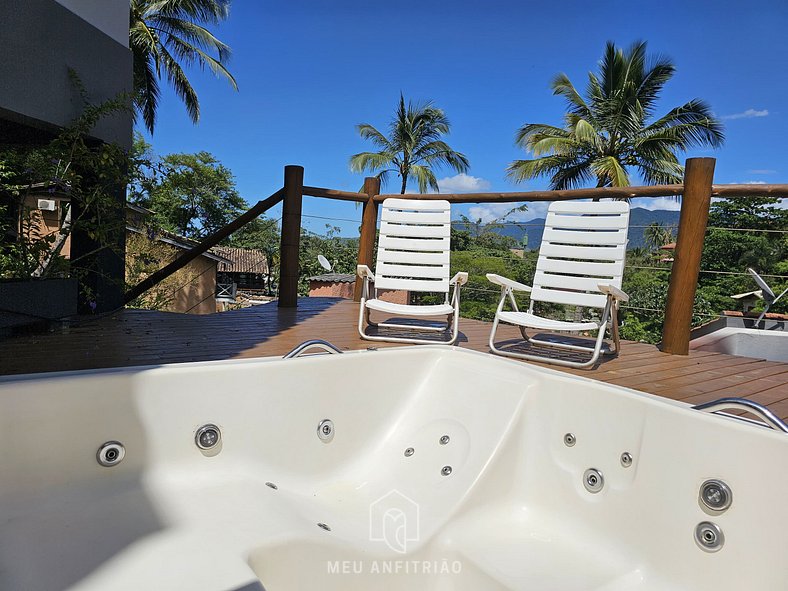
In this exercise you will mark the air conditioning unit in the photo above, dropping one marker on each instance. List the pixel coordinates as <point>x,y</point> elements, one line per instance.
<point>47,204</point>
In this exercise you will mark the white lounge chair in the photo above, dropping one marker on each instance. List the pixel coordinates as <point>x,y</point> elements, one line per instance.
<point>413,255</point>
<point>581,263</point>
<point>766,293</point>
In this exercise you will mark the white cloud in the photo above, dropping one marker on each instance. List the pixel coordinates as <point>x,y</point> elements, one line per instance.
<point>657,203</point>
<point>463,183</point>
<point>748,114</point>
<point>761,171</point>
<point>755,183</point>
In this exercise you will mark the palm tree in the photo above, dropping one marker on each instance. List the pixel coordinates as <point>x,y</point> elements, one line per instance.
<point>164,36</point>
<point>657,235</point>
<point>612,129</point>
<point>412,148</point>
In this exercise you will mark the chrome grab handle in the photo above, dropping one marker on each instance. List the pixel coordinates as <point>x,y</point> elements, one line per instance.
<point>313,344</point>
<point>758,410</point>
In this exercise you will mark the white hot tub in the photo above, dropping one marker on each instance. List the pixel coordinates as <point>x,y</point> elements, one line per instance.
<point>771,345</point>
<point>442,469</point>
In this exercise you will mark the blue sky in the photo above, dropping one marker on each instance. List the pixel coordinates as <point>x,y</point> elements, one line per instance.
<point>309,71</point>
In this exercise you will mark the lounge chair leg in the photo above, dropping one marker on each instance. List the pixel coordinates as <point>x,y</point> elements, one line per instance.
<point>361,314</point>
<point>453,322</point>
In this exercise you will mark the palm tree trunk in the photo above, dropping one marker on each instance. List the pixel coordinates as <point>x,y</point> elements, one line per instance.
<point>404,184</point>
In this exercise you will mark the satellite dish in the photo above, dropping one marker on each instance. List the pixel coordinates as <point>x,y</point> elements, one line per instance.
<point>324,262</point>
<point>768,294</point>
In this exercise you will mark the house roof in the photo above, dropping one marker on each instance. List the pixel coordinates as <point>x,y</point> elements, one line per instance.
<point>334,278</point>
<point>769,315</point>
<point>241,260</point>
<point>138,208</point>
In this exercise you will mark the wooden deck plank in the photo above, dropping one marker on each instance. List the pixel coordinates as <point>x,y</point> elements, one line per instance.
<point>141,337</point>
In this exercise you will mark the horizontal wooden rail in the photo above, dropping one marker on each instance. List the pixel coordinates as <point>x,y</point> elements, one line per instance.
<point>334,194</point>
<point>207,243</point>
<point>779,191</point>
<point>565,195</point>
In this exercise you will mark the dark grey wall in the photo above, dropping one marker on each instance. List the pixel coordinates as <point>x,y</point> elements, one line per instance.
<point>39,41</point>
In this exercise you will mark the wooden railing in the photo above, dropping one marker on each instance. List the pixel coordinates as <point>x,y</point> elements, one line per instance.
<point>696,192</point>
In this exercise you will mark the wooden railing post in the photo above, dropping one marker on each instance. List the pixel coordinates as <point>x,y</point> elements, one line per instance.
<point>291,237</point>
<point>369,222</point>
<point>698,178</point>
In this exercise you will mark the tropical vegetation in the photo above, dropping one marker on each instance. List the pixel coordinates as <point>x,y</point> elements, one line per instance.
<point>83,176</point>
<point>612,128</point>
<point>166,37</point>
<point>413,148</point>
<point>191,195</point>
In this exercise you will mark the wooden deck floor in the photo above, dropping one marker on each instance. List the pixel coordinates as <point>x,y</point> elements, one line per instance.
<point>137,337</point>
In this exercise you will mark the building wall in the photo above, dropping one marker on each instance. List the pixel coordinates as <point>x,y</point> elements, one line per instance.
<point>111,17</point>
<point>40,40</point>
<point>345,290</point>
<point>199,295</point>
<point>332,290</point>
<point>45,223</point>
<point>395,296</point>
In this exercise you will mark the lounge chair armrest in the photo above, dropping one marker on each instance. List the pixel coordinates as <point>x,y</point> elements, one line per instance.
<point>504,282</point>
<point>364,271</point>
<point>460,278</point>
<point>614,292</point>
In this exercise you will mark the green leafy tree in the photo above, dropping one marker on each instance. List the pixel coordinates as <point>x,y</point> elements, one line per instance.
<point>612,128</point>
<point>191,194</point>
<point>413,147</point>
<point>341,252</point>
<point>744,232</point>
<point>165,36</point>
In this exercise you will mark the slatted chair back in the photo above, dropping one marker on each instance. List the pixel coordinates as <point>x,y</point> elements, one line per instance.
<point>583,245</point>
<point>413,246</point>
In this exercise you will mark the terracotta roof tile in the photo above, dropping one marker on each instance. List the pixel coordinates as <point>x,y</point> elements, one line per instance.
<point>242,260</point>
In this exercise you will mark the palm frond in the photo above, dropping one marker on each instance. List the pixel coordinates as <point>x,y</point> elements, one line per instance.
<point>571,175</point>
<point>180,83</point>
<point>562,86</point>
<point>190,54</point>
<point>527,132</point>
<point>165,35</point>
<point>609,170</point>
<point>424,177</point>
<point>523,170</point>
<point>368,132</point>
<point>691,124</point>
<point>439,152</point>
<point>370,161</point>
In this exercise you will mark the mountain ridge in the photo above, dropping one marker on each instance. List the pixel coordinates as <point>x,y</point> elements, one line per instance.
<point>639,218</point>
